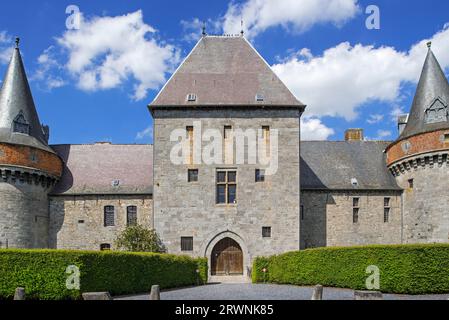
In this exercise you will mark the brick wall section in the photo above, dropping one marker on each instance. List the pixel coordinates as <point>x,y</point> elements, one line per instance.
<point>24,156</point>
<point>328,219</point>
<point>190,210</point>
<point>66,231</point>
<point>422,143</point>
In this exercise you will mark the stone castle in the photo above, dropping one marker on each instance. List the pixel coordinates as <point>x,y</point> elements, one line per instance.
<point>323,193</point>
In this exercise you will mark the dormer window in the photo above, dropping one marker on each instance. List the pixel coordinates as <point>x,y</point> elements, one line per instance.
<point>354,182</point>
<point>20,125</point>
<point>191,97</point>
<point>437,112</point>
<point>259,97</point>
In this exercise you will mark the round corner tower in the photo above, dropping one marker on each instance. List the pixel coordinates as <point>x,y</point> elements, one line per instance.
<point>419,159</point>
<point>29,168</point>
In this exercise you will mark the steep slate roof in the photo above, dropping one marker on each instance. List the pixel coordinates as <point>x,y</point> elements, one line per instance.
<point>16,97</point>
<point>332,165</point>
<point>224,71</point>
<point>433,84</point>
<point>91,169</point>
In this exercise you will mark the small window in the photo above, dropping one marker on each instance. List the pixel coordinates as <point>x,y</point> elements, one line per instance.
<point>354,182</point>
<point>109,216</point>
<point>186,243</point>
<point>386,215</point>
<point>446,138</point>
<point>302,212</point>
<point>259,97</point>
<point>227,132</point>
<point>260,175</point>
<point>266,232</point>
<point>105,247</point>
<point>80,221</point>
<point>386,202</point>
<point>192,175</point>
<point>191,97</point>
<point>411,183</point>
<point>355,215</point>
<point>131,216</point>
<point>190,137</point>
<point>356,202</point>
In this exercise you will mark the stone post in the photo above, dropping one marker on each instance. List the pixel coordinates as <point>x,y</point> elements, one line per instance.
<point>368,295</point>
<point>97,296</point>
<point>19,294</point>
<point>318,293</point>
<point>155,293</point>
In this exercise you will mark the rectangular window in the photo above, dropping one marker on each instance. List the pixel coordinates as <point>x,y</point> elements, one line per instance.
<point>131,216</point>
<point>302,212</point>
<point>260,175</point>
<point>226,187</point>
<point>109,216</point>
<point>356,202</point>
<point>266,232</point>
<point>355,215</point>
<point>189,131</point>
<point>446,138</point>
<point>228,145</point>
<point>227,133</point>
<point>266,139</point>
<point>386,202</point>
<point>192,175</point>
<point>386,215</point>
<point>411,184</point>
<point>186,243</point>
<point>105,247</point>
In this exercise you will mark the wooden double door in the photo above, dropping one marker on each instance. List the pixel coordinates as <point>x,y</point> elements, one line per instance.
<point>227,258</point>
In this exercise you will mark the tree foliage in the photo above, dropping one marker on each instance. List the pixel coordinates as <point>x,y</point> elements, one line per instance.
<point>140,239</point>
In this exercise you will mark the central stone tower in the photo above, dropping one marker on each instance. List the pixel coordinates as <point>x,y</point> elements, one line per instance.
<point>29,168</point>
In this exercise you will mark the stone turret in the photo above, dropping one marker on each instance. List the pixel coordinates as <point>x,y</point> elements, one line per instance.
<point>419,158</point>
<point>29,168</point>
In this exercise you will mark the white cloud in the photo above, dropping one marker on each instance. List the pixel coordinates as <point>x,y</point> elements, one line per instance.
<point>5,47</point>
<point>381,135</point>
<point>192,29</point>
<point>108,51</point>
<point>146,133</point>
<point>47,64</point>
<point>375,118</point>
<point>313,129</point>
<point>345,77</point>
<point>294,15</point>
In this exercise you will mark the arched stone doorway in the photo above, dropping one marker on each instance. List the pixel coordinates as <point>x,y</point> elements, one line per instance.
<point>227,258</point>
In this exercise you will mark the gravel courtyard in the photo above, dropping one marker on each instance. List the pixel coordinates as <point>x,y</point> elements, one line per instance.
<point>265,292</point>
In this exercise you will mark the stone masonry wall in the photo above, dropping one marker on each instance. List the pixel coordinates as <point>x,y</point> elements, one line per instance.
<point>189,209</point>
<point>328,219</point>
<point>77,222</point>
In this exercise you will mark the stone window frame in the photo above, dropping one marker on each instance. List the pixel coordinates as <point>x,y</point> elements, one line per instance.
<point>190,133</point>
<point>186,244</point>
<point>192,175</point>
<point>260,175</point>
<point>355,210</point>
<point>109,216</point>
<point>20,124</point>
<point>227,184</point>
<point>266,232</point>
<point>131,216</point>
<point>387,209</point>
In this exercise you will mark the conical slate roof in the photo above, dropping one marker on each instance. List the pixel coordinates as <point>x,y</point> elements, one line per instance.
<point>225,71</point>
<point>16,103</point>
<point>429,111</point>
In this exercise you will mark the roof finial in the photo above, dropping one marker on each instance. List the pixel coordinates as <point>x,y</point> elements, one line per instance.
<point>204,29</point>
<point>17,42</point>
<point>241,24</point>
<point>429,44</point>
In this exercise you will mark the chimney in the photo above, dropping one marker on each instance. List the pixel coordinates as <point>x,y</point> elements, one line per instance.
<point>402,122</point>
<point>354,135</point>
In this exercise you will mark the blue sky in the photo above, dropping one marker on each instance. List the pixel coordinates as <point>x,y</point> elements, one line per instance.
<point>348,76</point>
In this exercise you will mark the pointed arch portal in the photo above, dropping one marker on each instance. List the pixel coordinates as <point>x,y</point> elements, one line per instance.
<point>227,258</point>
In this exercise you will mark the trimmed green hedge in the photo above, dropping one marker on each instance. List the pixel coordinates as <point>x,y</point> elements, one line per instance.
<point>405,269</point>
<point>43,272</point>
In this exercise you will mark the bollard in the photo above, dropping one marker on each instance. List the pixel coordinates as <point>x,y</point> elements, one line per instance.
<point>97,296</point>
<point>155,293</point>
<point>19,294</point>
<point>318,293</point>
<point>368,295</point>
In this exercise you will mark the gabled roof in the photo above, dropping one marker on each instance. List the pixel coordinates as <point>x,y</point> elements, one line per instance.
<point>331,165</point>
<point>433,87</point>
<point>15,99</point>
<point>92,169</point>
<point>225,71</point>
